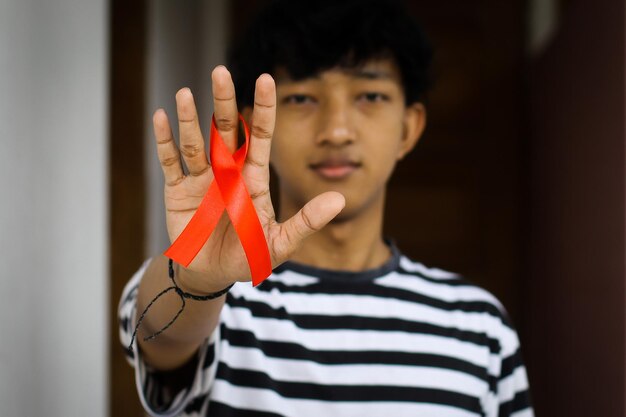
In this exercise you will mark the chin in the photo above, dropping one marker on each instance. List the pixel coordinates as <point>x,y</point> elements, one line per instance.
<point>344,216</point>
<point>339,219</point>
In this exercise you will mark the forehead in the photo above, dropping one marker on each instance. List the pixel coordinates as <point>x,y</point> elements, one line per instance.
<point>374,69</point>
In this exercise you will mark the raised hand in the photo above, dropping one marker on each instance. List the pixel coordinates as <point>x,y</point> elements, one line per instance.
<point>221,260</point>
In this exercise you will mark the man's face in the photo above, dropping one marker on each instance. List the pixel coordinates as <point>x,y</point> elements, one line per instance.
<point>342,130</point>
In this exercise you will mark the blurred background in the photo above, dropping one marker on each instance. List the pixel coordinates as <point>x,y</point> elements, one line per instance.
<point>518,182</point>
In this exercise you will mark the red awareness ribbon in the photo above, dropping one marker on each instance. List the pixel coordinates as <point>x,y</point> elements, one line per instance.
<point>227,192</point>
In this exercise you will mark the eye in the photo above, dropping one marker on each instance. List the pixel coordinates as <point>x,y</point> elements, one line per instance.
<point>298,99</point>
<point>372,97</point>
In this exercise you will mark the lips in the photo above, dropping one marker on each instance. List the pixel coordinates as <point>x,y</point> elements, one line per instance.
<point>335,168</point>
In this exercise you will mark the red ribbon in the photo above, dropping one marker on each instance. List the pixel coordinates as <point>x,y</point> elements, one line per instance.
<point>227,192</point>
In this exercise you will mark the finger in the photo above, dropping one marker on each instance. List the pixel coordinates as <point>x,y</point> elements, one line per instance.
<point>167,151</point>
<point>225,106</point>
<point>256,171</point>
<point>263,119</point>
<point>311,218</point>
<point>191,141</point>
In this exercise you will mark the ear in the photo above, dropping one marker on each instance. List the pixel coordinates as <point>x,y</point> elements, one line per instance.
<point>414,124</point>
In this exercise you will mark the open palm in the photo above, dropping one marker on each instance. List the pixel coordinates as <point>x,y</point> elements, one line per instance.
<point>222,260</point>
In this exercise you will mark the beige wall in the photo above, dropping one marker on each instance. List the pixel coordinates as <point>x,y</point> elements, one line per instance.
<point>53,208</point>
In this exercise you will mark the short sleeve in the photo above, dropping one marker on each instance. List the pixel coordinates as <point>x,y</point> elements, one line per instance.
<point>509,394</point>
<point>512,389</point>
<point>157,398</point>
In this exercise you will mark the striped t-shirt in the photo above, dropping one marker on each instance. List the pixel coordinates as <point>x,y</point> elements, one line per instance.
<point>399,340</point>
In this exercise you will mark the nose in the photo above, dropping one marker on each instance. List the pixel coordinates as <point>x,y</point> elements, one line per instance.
<point>335,124</point>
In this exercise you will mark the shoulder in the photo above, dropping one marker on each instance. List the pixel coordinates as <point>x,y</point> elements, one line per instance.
<point>453,297</point>
<point>440,283</point>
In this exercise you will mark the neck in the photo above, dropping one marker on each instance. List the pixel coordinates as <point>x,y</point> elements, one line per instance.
<point>350,243</point>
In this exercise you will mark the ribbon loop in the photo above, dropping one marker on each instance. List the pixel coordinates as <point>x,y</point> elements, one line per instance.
<point>228,192</point>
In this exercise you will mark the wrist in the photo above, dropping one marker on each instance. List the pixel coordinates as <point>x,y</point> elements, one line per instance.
<point>197,283</point>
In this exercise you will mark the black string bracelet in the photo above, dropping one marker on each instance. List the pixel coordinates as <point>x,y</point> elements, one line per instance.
<point>182,295</point>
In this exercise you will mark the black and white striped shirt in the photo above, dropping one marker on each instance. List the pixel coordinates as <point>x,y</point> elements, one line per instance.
<point>399,340</point>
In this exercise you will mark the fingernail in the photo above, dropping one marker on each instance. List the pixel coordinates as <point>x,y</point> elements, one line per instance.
<point>184,90</point>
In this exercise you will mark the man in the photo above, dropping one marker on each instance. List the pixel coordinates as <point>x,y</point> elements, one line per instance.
<point>345,325</point>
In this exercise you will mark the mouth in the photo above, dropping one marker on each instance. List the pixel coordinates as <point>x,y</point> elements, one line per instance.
<point>335,169</point>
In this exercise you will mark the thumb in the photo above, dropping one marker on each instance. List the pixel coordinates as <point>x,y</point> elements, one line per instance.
<point>311,218</point>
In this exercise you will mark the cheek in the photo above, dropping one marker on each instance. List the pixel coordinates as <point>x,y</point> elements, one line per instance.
<point>384,164</point>
<point>279,155</point>
<point>281,141</point>
<point>383,150</point>
<point>292,139</point>
<point>385,141</point>
<point>287,153</point>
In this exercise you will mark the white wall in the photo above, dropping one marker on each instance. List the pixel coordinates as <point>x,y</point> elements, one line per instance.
<point>186,41</point>
<point>53,208</point>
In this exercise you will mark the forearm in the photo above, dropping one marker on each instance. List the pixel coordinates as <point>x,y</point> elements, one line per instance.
<point>182,339</point>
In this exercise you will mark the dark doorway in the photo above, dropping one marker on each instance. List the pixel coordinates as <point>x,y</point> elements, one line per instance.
<point>518,184</point>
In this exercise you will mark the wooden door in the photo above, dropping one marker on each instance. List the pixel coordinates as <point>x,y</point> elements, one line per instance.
<point>126,183</point>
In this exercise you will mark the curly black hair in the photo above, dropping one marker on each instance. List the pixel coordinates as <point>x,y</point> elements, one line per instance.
<point>305,37</point>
